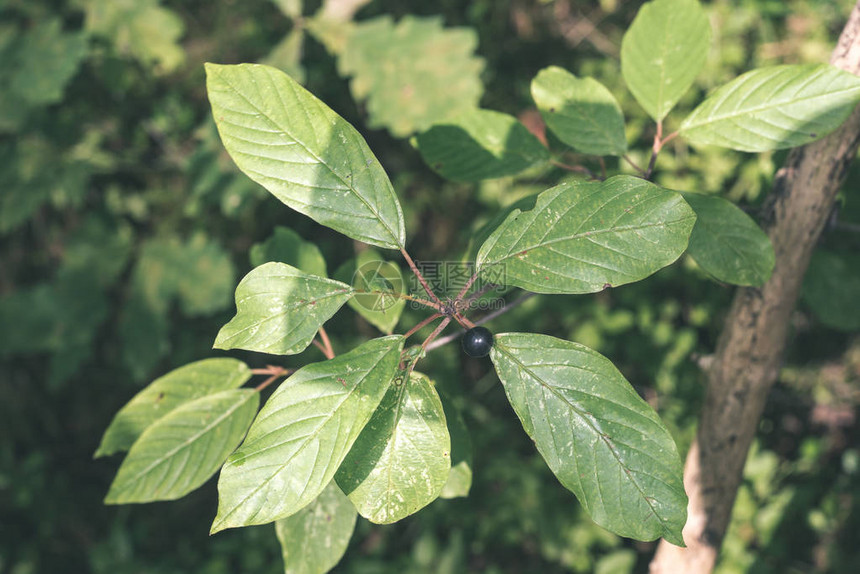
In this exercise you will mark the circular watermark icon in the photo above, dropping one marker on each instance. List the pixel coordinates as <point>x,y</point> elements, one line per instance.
<point>378,285</point>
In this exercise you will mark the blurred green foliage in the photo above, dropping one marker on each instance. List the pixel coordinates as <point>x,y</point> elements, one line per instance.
<point>124,228</point>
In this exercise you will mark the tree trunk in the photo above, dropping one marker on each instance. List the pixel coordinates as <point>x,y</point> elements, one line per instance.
<point>750,349</point>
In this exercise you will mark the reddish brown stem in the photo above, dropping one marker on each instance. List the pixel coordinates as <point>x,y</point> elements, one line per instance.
<point>465,288</point>
<point>421,325</point>
<point>632,163</point>
<point>421,279</point>
<point>275,373</point>
<point>575,169</point>
<point>328,350</point>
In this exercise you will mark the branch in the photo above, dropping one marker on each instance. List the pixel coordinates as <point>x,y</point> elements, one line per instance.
<point>750,349</point>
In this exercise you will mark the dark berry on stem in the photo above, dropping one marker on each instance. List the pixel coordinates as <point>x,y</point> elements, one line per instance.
<point>477,342</point>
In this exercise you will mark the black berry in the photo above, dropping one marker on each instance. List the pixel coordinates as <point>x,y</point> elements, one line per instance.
<point>477,342</point>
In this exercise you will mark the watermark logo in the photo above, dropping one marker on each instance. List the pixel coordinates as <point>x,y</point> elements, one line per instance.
<point>378,284</point>
<point>448,278</point>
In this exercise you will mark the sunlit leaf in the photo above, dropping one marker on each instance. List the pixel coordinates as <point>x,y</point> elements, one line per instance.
<point>167,393</point>
<point>581,112</point>
<point>600,439</point>
<point>430,73</point>
<point>401,459</point>
<point>294,145</point>
<point>181,450</point>
<point>774,108</point>
<point>287,55</point>
<point>280,309</point>
<point>582,237</point>
<point>303,433</point>
<point>140,28</point>
<point>663,51</point>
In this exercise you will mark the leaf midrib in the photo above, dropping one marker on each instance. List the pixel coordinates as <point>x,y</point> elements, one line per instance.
<point>740,113</point>
<point>586,234</point>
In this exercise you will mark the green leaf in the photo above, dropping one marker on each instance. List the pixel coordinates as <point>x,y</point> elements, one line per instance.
<point>663,51</point>
<point>287,55</point>
<point>480,144</point>
<point>479,237</point>
<point>401,459</point>
<point>727,243</point>
<point>600,439</point>
<point>47,58</point>
<point>302,435</point>
<point>290,8</point>
<point>774,108</point>
<point>830,288</point>
<point>581,112</point>
<point>280,309</point>
<point>197,272</point>
<point>460,478</point>
<point>140,28</point>
<point>167,393</point>
<point>309,157</point>
<point>583,237</point>
<point>429,74</point>
<point>181,450</point>
<point>204,276</point>
<point>377,284</point>
<point>286,246</point>
<point>315,539</point>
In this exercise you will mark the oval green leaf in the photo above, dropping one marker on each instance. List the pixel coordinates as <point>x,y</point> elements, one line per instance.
<point>166,393</point>
<point>287,246</point>
<point>727,243</point>
<point>378,285</point>
<point>774,108</point>
<point>581,112</point>
<point>180,451</point>
<point>601,440</point>
<point>280,309</point>
<point>295,146</point>
<point>430,72</point>
<point>401,460</point>
<point>480,144</point>
<point>315,538</point>
<point>583,237</point>
<point>302,435</point>
<point>663,51</point>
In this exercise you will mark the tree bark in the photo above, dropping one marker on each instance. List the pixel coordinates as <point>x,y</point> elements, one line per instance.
<point>750,349</point>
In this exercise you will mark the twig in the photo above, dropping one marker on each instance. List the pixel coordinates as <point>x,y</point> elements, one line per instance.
<point>466,287</point>
<point>575,169</point>
<point>275,373</point>
<point>422,324</point>
<point>329,350</point>
<point>486,318</point>
<point>426,342</point>
<point>420,276</point>
<point>632,163</point>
